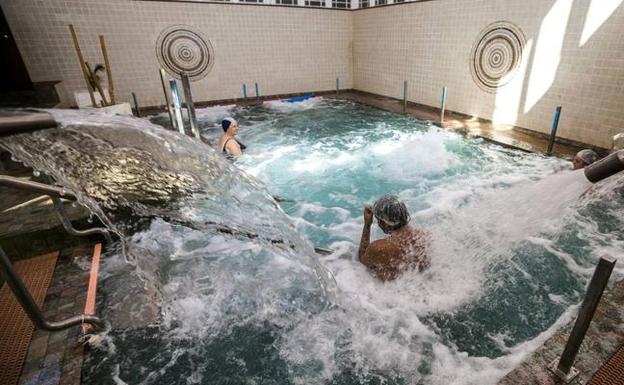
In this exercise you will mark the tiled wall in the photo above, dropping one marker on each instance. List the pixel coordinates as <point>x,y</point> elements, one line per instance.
<point>565,63</point>
<point>574,55</point>
<point>284,49</point>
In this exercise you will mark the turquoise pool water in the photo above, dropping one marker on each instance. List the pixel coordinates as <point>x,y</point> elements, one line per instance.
<point>217,284</point>
<point>513,241</point>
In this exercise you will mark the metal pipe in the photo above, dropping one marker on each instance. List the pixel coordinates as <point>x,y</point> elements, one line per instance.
<point>404,96</point>
<point>245,94</point>
<point>257,93</point>
<point>605,167</point>
<point>42,188</point>
<point>553,130</point>
<point>190,106</point>
<point>109,75</point>
<point>136,104</point>
<point>82,64</point>
<point>30,306</point>
<point>323,251</point>
<point>594,292</point>
<point>55,193</point>
<point>177,105</point>
<point>16,122</point>
<point>166,90</point>
<point>337,86</point>
<point>442,104</point>
<point>67,225</point>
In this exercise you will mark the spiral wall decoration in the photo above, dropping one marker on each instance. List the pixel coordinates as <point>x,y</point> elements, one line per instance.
<point>496,55</point>
<point>182,50</point>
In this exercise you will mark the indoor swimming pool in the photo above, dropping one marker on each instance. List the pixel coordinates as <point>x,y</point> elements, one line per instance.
<point>214,282</point>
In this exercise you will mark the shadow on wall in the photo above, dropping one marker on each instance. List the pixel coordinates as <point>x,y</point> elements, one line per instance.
<point>539,68</point>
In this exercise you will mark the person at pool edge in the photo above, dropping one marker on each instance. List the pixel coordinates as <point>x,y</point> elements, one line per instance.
<point>228,143</point>
<point>584,158</point>
<point>405,248</point>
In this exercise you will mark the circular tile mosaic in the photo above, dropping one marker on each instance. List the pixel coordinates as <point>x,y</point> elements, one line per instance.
<point>182,50</point>
<point>496,55</point>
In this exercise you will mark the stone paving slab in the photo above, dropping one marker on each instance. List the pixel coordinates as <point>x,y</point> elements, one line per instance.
<point>56,358</point>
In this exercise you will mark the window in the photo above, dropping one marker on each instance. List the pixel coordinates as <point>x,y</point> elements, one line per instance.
<point>363,3</point>
<point>382,2</point>
<point>315,3</point>
<point>286,2</point>
<point>250,1</point>
<point>341,3</point>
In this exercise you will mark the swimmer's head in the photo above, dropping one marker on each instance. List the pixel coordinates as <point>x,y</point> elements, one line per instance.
<point>229,124</point>
<point>584,158</point>
<point>391,213</point>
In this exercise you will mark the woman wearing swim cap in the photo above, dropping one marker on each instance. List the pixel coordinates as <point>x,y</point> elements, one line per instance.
<point>228,143</point>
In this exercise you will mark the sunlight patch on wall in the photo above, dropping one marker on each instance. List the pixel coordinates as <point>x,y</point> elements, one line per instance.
<point>599,12</point>
<point>547,52</point>
<point>508,97</point>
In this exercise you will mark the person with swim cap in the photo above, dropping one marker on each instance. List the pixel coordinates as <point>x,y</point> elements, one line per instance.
<point>228,143</point>
<point>405,248</point>
<point>584,158</point>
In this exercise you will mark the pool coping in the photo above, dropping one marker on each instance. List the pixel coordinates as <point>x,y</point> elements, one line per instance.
<point>506,135</point>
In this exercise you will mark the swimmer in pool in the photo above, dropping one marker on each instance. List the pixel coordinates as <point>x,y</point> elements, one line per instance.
<point>228,143</point>
<point>406,247</point>
<point>584,158</point>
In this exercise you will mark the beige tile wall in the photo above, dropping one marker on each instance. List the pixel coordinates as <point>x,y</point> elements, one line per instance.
<point>289,50</point>
<point>284,49</point>
<point>429,45</point>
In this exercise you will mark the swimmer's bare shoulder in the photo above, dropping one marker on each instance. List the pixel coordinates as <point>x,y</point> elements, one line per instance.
<point>421,249</point>
<point>380,257</point>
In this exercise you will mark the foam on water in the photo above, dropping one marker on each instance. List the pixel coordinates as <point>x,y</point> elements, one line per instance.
<point>287,107</point>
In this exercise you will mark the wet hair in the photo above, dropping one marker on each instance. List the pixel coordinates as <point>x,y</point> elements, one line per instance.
<point>587,156</point>
<point>226,123</point>
<point>391,211</point>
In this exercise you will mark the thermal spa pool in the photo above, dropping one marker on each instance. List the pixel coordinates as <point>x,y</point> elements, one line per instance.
<point>216,285</point>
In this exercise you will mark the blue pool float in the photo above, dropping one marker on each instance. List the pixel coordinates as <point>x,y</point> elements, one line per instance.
<point>298,98</point>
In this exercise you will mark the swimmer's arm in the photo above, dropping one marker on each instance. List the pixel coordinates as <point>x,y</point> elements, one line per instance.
<point>369,257</point>
<point>233,148</point>
<point>365,240</point>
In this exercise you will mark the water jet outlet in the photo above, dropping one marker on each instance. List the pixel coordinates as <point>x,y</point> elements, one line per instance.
<point>605,167</point>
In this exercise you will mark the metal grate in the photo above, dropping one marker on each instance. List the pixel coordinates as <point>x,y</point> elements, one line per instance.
<point>17,329</point>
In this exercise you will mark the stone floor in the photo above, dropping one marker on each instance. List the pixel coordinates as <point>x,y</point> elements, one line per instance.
<point>56,357</point>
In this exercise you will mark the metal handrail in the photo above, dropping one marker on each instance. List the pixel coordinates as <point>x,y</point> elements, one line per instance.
<point>30,306</point>
<point>42,188</point>
<point>56,193</point>
<point>67,225</point>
